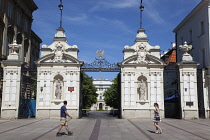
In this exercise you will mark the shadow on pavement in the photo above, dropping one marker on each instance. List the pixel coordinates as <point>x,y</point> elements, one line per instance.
<point>151,131</point>
<point>63,133</point>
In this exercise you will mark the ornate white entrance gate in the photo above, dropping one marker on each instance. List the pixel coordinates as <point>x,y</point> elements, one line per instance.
<point>141,79</point>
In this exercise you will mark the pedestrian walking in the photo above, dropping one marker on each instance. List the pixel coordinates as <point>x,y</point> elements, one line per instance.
<point>157,119</point>
<point>63,120</point>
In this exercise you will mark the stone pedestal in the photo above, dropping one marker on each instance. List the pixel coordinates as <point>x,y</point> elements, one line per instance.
<point>11,89</point>
<point>188,89</point>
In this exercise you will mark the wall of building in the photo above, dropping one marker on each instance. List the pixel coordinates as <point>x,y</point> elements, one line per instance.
<point>194,29</point>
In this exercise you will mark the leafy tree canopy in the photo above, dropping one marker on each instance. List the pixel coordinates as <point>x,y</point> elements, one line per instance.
<point>111,94</point>
<point>88,91</point>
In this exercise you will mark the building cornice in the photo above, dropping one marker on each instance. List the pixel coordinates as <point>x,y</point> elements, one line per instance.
<point>28,6</point>
<point>31,4</point>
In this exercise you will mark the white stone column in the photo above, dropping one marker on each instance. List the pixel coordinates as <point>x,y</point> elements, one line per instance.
<point>152,89</point>
<point>188,84</point>
<point>68,84</point>
<point>188,89</point>
<point>158,89</point>
<point>47,87</point>
<point>132,90</point>
<point>207,95</point>
<point>74,93</point>
<point>40,89</point>
<point>126,91</point>
<point>11,83</point>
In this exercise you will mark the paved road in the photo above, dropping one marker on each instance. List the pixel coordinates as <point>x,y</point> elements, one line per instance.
<point>102,126</point>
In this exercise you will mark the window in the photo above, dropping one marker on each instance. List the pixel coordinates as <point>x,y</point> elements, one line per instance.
<point>9,10</point>
<point>18,18</point>
<point>100,97</point>
<point>202,27</point>
<point>25,25</point>
<point>190,34</point>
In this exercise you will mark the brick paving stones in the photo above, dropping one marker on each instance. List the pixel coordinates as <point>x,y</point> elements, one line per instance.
<point>102,126</point>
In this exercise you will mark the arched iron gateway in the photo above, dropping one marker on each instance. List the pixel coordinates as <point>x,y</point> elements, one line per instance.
<point>100,64</point>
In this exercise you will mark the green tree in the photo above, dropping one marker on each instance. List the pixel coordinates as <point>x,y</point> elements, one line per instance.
<point>88,91</point>
<point>111,95</point>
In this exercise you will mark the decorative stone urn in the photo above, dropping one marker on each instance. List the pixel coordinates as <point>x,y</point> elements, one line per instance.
<point>186,48</point>
<point>13,55</point>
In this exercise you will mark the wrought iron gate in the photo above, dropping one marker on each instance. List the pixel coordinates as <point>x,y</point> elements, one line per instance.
<point>172,97</point>
<point>201,107</point>
<point>100,64</point>
<point>27,102</point>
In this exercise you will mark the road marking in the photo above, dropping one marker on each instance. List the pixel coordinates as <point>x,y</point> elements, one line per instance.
<point>95,132</point>
<point>19,127</point>
<point>197,123</point>
<point>148,136</point>
<point>186,131</point>
<point>45,133</point>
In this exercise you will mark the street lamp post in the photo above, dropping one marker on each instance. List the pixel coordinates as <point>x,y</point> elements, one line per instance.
<point>61,9</point>
<point>141,10</point>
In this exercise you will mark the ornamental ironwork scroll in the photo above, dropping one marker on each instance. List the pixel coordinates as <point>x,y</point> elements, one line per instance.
<point>100,64</point>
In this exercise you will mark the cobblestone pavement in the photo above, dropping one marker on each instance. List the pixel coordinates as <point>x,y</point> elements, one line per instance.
<point>102,126</point>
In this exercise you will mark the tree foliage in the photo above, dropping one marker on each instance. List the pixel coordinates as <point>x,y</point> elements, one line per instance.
<point>88,91</point>
<point>111,95</point>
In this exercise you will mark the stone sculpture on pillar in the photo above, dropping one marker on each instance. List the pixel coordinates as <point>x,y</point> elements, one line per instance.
<point>141,53</point>
<point>58,53</point>
<point>186,48</point>
<point>58,89</point>
<point>142,90</point>
<point>14,48</point>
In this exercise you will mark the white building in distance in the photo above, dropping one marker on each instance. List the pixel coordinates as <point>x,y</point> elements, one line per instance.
<point>102,85</point>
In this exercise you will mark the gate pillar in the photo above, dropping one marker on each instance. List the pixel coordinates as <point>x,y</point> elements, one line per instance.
<point>11,83</point>
<point>58,78</point>
<point>141,79</point>
<point>188,84</point>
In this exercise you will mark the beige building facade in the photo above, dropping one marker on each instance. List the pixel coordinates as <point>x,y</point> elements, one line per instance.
<point>101,85</point>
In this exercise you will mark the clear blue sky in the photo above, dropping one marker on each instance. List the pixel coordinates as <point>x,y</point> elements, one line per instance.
<point>110,25</point>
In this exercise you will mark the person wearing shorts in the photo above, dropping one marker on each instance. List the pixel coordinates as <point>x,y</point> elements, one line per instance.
<point>63,120</point>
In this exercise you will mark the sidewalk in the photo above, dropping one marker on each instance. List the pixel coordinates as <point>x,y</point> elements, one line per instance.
<point>102,126</point>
